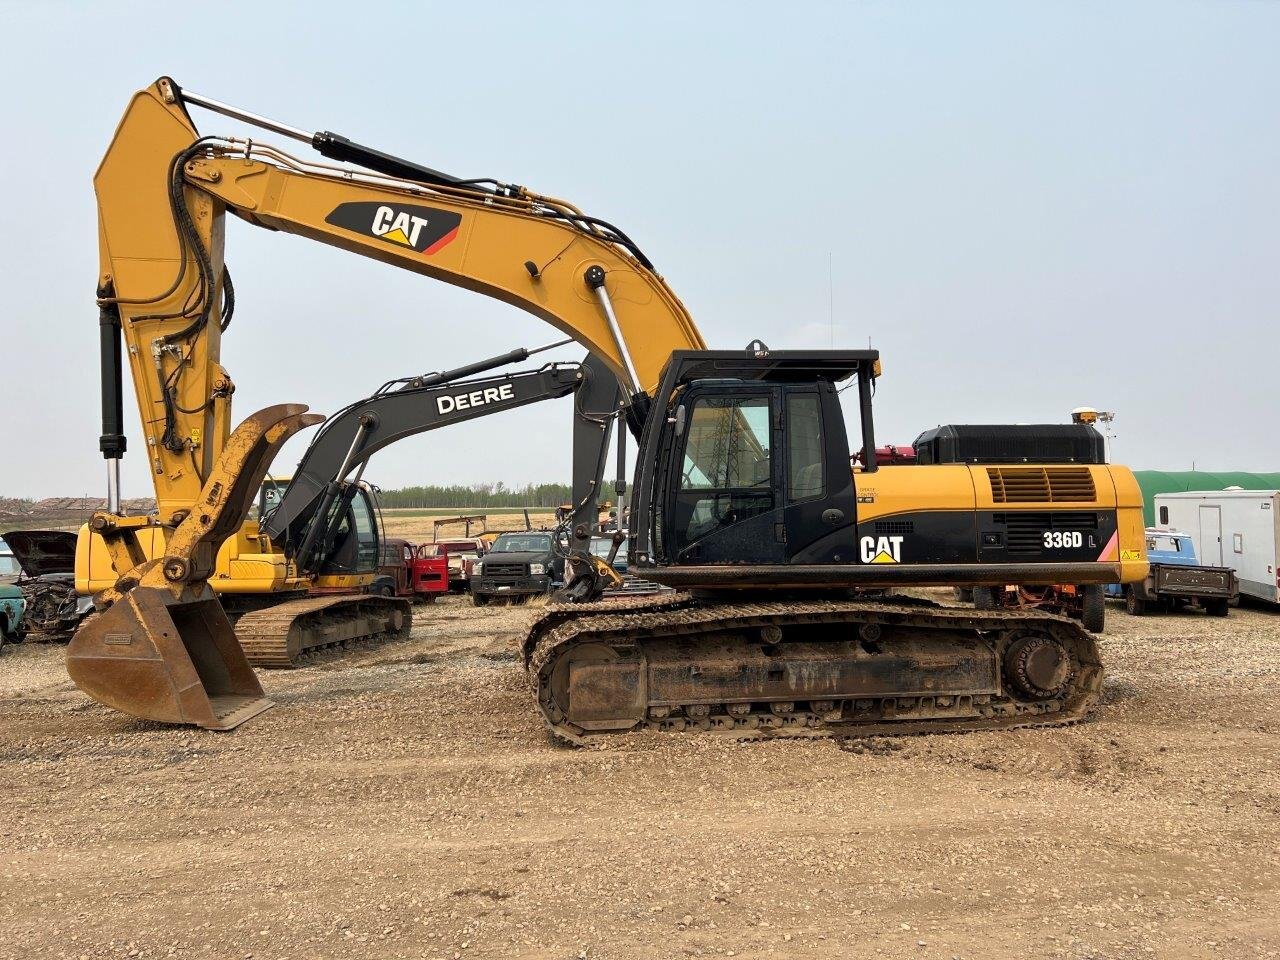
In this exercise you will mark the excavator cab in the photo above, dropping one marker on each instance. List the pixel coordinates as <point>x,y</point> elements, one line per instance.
<point>751,463</point>
<point>353,549</point>
<point>349,543</point>
<point>761,473</point>
<point>347,538</point>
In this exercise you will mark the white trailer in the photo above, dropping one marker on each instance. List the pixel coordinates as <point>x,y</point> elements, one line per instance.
<point>1239,529</point>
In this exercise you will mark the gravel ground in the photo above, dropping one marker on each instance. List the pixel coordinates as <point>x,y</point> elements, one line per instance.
<point>404,801</point>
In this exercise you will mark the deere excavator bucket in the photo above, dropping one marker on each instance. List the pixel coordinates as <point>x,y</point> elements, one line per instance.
<point>164,649</point>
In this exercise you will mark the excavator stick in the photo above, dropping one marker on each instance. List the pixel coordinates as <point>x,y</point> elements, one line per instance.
<point>164,649</point>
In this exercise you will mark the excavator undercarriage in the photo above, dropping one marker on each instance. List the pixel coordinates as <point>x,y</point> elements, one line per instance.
<point>805,667</point>
<point>283,634</point>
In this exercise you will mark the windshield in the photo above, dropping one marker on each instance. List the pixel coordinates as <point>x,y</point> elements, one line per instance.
<point>8,565</point>
<point>522,543</point>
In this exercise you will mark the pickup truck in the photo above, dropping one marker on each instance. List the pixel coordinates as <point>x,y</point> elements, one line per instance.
<point>461,553</point>
<point>1176,580</point>
<point>405,570</point>
<point>518,564</point>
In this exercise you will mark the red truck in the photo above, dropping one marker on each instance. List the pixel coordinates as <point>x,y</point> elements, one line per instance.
<point>411,570</point>
<point>459,554</point>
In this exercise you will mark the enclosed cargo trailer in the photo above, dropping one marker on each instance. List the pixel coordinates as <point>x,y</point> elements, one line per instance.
<point>1239,529</point>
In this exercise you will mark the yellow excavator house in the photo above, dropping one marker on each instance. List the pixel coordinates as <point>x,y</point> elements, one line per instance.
<point>743,498</point>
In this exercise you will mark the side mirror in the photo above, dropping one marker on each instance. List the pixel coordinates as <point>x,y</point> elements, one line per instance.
<point>681,416</point>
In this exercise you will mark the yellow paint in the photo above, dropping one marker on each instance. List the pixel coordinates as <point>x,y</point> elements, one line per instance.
<point>909,489</point>
<point>140,255</point>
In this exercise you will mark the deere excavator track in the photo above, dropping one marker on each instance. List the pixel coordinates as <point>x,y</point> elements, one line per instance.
<point>281,635</point>
<point>873,667</point>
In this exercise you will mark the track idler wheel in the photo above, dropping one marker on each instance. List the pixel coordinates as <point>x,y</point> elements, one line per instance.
<point>1038,667</point>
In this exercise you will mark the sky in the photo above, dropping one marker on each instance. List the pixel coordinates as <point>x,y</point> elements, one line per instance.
<point>1026,207</point>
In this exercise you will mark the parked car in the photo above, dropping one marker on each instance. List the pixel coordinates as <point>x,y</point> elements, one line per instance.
<point>458,552</point>
<point>430,572</point>
<point>46,560</point>
<point>8,562</point>
<point>518,564</point>
<point>1085,602</point>
<point>631,584</point>
<point>1176,579</point>
<point>600,547</point>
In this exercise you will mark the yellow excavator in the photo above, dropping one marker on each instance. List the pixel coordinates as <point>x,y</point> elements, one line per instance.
<point>742,496</point>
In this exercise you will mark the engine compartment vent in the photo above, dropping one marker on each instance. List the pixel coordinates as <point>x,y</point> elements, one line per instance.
<point>1041,485</point>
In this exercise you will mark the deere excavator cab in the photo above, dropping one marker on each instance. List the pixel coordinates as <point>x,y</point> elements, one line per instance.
<point>349,537</point>
<point>349,541</point>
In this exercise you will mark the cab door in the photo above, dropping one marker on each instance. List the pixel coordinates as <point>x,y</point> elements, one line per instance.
<point>723,505</point>
<point>820,505</point>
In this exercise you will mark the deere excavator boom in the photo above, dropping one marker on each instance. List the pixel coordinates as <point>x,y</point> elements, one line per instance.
<point>420,404</point>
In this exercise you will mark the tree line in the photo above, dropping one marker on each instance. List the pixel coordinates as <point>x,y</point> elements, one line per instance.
<point>478,495</point>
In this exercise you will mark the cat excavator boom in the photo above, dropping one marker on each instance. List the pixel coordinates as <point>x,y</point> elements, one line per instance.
<point>161,647</point>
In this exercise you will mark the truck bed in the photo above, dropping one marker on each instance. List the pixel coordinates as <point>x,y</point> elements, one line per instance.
<point>1188,581</point>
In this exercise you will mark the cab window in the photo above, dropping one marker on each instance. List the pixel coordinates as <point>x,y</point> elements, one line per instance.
<point>806,469</point>
<point>726,472</point>
<point>728,445</point>
<point>366,534</point>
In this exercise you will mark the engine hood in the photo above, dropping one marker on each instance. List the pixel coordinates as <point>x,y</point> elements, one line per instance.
<point>523,556</point>
<point>42,552</point>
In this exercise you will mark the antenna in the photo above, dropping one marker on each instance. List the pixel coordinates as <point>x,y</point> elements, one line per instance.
<point>831,301</point>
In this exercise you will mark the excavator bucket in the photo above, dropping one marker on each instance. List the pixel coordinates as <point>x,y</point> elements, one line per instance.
<point>164,649</point>
<point>174,661</point>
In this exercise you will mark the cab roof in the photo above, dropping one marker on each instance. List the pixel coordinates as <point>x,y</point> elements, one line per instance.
<point>770,365</point>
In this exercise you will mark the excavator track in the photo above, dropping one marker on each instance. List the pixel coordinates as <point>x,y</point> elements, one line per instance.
<point>863,667</point>
<point>281,635</point>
